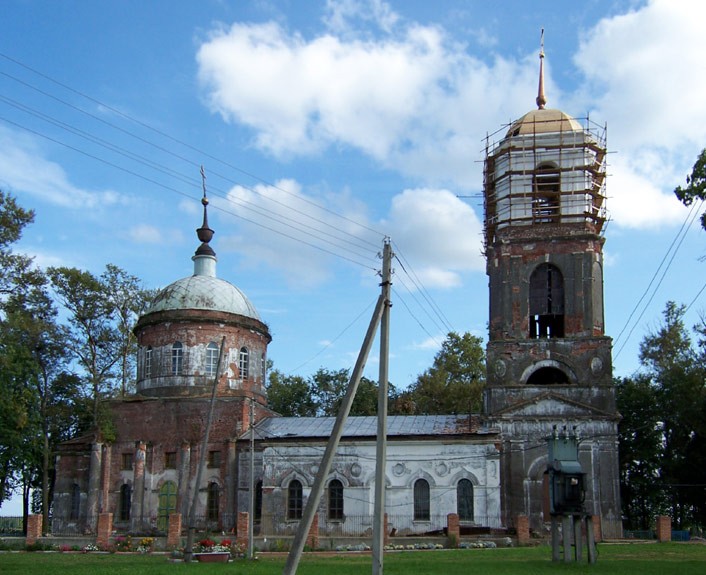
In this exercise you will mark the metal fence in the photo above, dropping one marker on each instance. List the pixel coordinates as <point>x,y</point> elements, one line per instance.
<point>11,526</point>
<point>398,525</point>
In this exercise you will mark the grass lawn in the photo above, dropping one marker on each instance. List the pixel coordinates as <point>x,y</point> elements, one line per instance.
<point>637,559</point>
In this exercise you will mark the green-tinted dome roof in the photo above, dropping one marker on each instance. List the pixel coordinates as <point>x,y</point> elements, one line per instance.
<point>205,293</point>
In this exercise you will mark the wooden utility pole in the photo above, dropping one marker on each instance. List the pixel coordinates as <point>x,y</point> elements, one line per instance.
<point>312,503</point>
<point>381,445</point>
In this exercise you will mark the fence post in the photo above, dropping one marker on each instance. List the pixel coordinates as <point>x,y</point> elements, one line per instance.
<point>105,528</point>
<point>174,531</point>
<point>312,539</point>
<point>34,529</point>
<point>241,533</point>
<point>453,529</point>
<point>523,529</point>
<point>664,528</point>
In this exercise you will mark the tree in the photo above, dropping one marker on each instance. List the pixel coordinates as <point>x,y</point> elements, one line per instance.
<point>128,299</point>
<point>15,269</point>
<point>290,395</point>
<point>640,437</point>
<point>37,345</point>
<point>454,383</point>
<point>93,337</point>
<point>695,185</point>
<point>678,377</point>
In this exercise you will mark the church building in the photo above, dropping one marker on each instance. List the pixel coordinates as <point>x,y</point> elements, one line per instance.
<point>548,368</point>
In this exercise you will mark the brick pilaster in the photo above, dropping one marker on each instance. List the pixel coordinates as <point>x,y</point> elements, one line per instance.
<point>312,539</point>
<point>34,529</point>
<point>105,528</point>
<point>664,528</point>
<point>523,530</point>
<point>597,529</point>
<point>453,528</point>
<point>174,531</point>
<point>241,534</point>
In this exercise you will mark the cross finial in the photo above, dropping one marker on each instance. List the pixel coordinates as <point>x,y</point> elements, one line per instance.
<point>204,201</point>
<point>541,99</point>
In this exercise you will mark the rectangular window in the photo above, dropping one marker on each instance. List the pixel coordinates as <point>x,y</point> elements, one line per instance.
<point>126,462</point>
<point>170,460</point>
<point>214,458</point>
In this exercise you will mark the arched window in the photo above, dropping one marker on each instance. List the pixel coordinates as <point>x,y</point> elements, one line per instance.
<point>244,363</point>
<point>464,500</point>
<point>335,500</point>
<point>177,358</point>
<point>211,358</point>
<point>75,501</point>
<point>258,501</point>
<point>548,376</point>
<point>212,501</point>
<point>125,502</point>
<point>147,367</point>
<point>546,302</point>
<point>295,500</point>
<point>422,511</point>
<point>546,194</point>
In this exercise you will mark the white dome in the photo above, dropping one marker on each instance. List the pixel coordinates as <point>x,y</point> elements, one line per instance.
<point>206,293</point>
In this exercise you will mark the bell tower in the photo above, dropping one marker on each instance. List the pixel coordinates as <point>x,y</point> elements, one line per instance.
<point>549,360</point>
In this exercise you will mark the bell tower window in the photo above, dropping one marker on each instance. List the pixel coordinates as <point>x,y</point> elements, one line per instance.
<point>546,195</point>
<point>546,305</point>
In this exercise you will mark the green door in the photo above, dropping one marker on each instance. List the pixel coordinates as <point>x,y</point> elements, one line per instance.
<point>167,504</point>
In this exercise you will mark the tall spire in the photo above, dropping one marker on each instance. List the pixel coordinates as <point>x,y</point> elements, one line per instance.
<point>541,99</point>
<point>204,233</point>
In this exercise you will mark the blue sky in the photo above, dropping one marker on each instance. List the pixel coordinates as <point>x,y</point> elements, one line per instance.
<point>324,126</point>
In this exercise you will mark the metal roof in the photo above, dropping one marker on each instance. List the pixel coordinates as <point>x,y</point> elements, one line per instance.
<point>366,426</point>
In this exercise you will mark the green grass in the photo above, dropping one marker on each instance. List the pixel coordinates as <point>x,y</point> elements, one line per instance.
<point>637,559</point>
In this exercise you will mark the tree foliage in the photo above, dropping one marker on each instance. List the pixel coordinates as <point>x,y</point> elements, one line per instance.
<point>663,434</point>
<point>695,185</point>
<point>321,394</point>
<point>454,383</point>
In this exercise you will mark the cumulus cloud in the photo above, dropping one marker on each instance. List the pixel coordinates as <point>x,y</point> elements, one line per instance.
<point>412,99</point>
<point>643,76</point>
<point>415,101</point>
<point>24,168</point>
<point>299,233</point>
<point>438,233</point>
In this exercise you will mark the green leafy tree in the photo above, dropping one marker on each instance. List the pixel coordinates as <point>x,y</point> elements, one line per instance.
<point>695,188</point>
<point>640,437</point>
<point>52,390</point>
<point>93,336</point>
<point>672,363</point>
<point>128,299</point>
<point>290,395</point>
<point>15,269</point>
<point>454,383</point>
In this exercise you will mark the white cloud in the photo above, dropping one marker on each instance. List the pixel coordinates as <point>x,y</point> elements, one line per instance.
<point>439,235</point>
<point>643,71</point>
<point>431,343</point>
<point>280,224</point>
<point>417,102</point>
<point>413,100</point>
<point>646,71</point>
<point>145,234</point>
<point>24,168</point>
<point>340,14</point>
